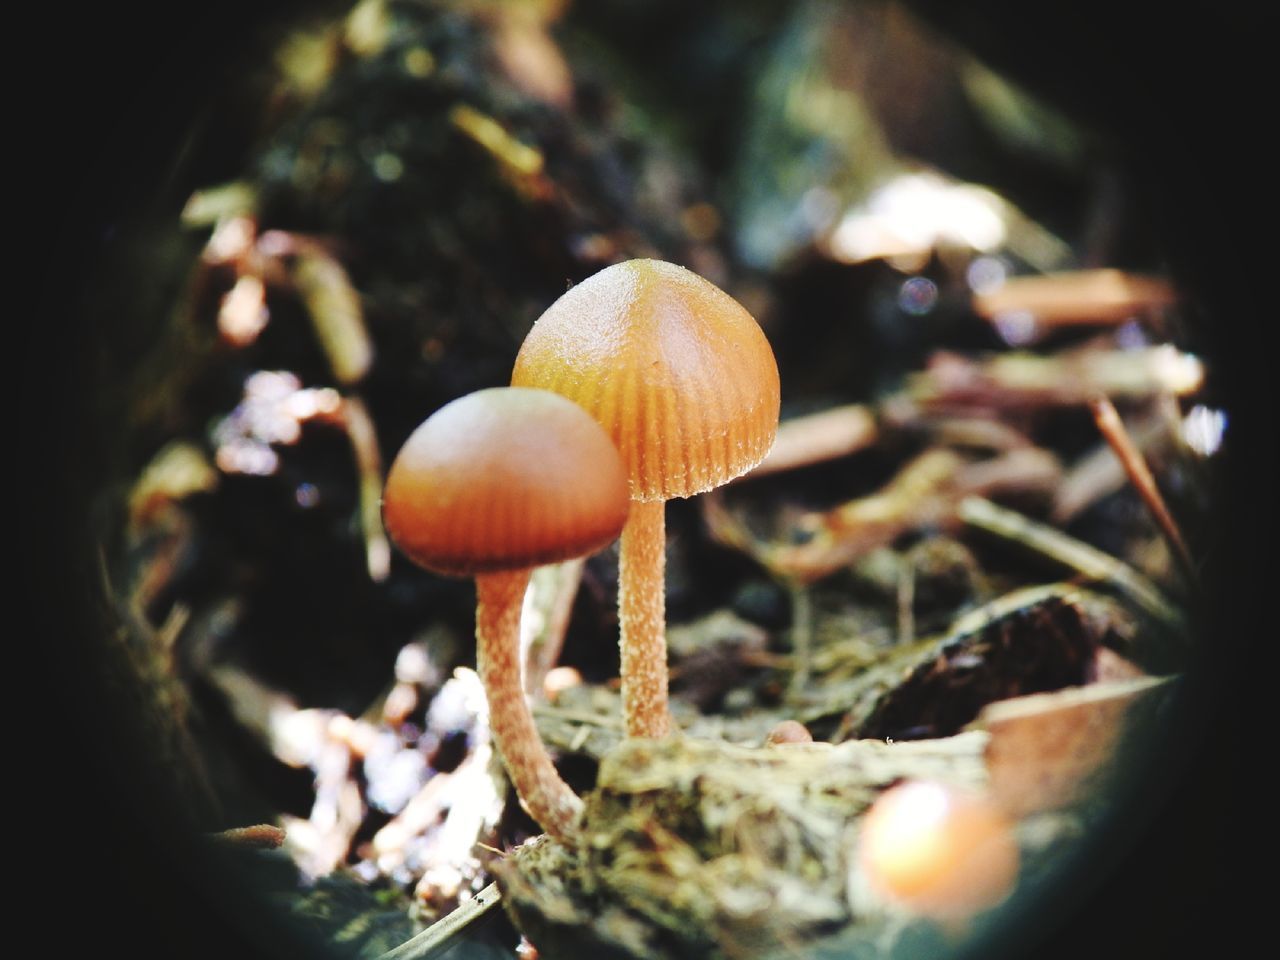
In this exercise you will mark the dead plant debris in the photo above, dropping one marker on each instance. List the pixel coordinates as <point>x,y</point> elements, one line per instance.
<point>957,567</point>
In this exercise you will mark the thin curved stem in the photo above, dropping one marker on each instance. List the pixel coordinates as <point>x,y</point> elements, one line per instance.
<point>642,616</point>
<point>549,800</point>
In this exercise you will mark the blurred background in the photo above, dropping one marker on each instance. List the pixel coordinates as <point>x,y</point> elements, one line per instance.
<point>744,139</point>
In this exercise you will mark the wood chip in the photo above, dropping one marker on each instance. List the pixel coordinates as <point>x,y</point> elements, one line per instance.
<point>1048,750</point>
<point>819,437</point>
<point>1077,297</point>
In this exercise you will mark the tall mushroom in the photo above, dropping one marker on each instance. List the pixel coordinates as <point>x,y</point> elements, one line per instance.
<point>682,378</point>
<point>492,485</point>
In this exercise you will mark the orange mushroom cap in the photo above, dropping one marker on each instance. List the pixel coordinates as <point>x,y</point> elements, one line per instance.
<point>938,850</point>
<point>504,478</point>
<point>677,372</point>
<point>788,731</point>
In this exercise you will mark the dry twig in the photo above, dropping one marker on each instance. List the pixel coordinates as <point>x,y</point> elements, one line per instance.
<point>1058,546</point>
<point>1135,466</point>
<point>442,934</point>
<point>263,836</point>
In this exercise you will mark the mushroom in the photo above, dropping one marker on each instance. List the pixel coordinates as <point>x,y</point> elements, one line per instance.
<point>937,850</point>
<point>492,485</point>
<point>682,378</point>
<point>788,731</point>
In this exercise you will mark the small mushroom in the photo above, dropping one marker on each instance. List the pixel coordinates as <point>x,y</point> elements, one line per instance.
<point>938,851</point>
<point>493,485</point>
<point>788,731</point>
<point>682,378</point>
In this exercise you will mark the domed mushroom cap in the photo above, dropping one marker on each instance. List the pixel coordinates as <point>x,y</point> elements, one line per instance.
<point>503,479</point>
<point>677,371</point>
<point>938,850</point>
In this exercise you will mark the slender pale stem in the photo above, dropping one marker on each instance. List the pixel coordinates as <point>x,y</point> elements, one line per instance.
<point>549,800</point>
<point>642,613</point>
<point>801,635</point>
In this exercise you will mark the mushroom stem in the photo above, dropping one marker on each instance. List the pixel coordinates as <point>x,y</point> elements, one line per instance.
<point>642,616</point>
<point>549,800</point>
